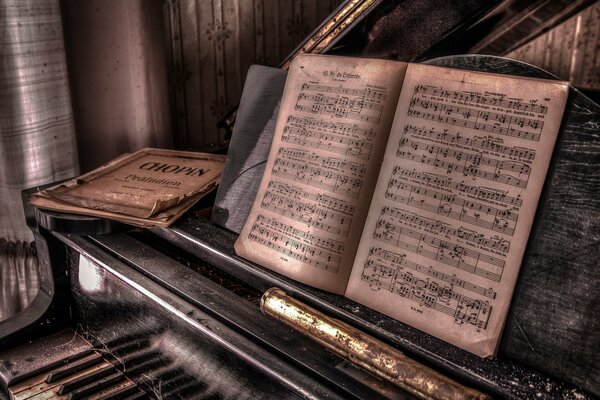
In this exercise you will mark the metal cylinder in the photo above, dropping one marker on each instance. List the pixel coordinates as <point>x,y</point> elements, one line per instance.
<point>363,350</point>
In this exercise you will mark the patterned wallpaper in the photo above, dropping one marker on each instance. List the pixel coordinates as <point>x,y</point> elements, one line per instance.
<point>213,42</point>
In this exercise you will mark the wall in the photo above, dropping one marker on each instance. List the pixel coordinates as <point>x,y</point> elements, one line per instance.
<point>213,44</point>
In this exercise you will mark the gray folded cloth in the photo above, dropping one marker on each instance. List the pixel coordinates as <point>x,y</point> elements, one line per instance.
<point>249,146</point>
<point>19,277</point>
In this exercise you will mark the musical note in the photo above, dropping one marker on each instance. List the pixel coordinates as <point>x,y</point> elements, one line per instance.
<point>323,200</point>
<point>332,163</point>
<point>312,215</point>
<point>446,182</point>
<point>262,232</point>
<point>475,164</point>
<point>317,177</point>
<point>483,143</point>
<point>364,105</point>
<point>452,206</point>
<point>330,142</point>
<point>482,100</point>
<point>448,253</point>
<point>387,270</point>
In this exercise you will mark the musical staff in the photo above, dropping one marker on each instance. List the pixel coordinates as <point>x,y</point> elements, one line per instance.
<point>311,215</point>
<point>434,225</point>
<point>340,112</point>
<point>483,143</point>
<point>318,178</point>
<point>364,105</point>
<point>465,310</point>
<point>484,115</point>
<point>473,112</point>
<point>395,260</point>
<point>340,101</point>
<point>336,164</point>
<point>329,142</point>
<point>332,127</point>
<point>483,127</point>
<point>287,246</point>
<point>451,254</point>
<point>323,200</point>
<point>472,213</point>
<point>481,100</point>
<point>475,164</point>
<point>446,182</point>
<point>317,241</point>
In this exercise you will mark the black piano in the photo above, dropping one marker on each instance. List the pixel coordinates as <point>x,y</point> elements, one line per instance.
<point>172,313</point>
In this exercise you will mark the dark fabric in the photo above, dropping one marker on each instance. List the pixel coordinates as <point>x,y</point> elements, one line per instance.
<point>554,324</point>
<point>19,276</point>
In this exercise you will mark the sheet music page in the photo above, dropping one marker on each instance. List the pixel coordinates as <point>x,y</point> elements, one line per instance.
<point>329,140</point>
<point>455,200</point>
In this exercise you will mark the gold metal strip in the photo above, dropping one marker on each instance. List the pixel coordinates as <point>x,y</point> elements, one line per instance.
<point>365,351</point>
<point>331,29</point>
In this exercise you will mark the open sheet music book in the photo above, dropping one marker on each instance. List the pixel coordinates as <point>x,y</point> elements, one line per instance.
<point>408,188</point>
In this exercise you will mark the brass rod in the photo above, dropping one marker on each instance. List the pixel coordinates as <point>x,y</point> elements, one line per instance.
<point>365,351</point>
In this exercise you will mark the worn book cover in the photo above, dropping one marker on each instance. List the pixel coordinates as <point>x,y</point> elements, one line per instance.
<point>408,188</point>
<point>148,187</point>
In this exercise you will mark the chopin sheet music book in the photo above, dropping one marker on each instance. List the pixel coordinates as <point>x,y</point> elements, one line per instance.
<point>408,188</point>
<point>151,187</point>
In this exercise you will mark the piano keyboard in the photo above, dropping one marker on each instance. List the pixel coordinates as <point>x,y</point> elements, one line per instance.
<point>126,368</point>
<point>87,375</point>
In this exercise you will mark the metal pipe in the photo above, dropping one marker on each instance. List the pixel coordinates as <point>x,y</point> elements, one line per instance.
<point>363,350</point>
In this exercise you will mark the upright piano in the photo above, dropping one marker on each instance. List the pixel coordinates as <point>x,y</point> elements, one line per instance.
<point>173,313</point>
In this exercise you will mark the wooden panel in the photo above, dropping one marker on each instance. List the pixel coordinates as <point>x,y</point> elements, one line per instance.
<point>569,51</point>
<point>213,43</point>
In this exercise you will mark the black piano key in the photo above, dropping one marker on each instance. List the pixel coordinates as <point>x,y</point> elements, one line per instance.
<point>35,373</point>
<point>185,390</point>
<point>74,367</point>
<point>137,396</point>
<point>129,347</point>
<point>96,386</point>
<point>146,366</point>
<point>121,393</point>
<point>212,396</point>
<point>166,373</point>
<point>175,382</point>
<point>134,337</point>
<point>131,360</point>
<point>85,379</point>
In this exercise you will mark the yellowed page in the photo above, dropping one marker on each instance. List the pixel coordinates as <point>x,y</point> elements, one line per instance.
<point>329,140</point>
<point>455,200</point>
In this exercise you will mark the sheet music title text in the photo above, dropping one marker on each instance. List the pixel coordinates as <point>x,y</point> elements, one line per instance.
<point>334,74</point>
